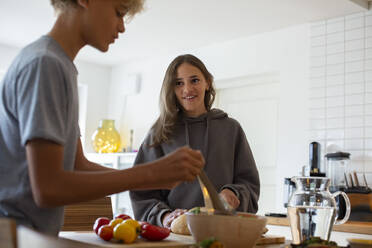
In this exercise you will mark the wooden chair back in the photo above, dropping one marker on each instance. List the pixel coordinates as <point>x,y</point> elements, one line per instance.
<point>81,216</point>
<point>8,233</point>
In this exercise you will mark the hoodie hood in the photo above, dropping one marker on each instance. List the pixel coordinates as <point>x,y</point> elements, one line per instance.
<point>213,114</point>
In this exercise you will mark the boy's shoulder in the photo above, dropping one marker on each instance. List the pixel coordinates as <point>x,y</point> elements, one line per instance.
<point>39,49</point>
<point>45,51</point>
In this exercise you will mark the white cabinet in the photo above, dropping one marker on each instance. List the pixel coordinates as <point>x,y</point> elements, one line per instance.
<point>121,201</point>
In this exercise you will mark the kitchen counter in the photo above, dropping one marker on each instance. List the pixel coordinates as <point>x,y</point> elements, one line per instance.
<point>350,226</point>
<point>174,240</point>
<point>276,226</point>
<point>340,233</point>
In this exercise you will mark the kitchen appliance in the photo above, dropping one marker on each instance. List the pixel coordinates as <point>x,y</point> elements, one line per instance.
<point>314,170</point>
<point>315,160</point>
<point>312,209</point>
<point>289,188</point>
<point>336,169</point>
<point>343,179</point>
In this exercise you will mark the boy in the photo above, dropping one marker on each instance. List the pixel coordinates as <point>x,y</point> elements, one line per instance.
<point>42,166</point>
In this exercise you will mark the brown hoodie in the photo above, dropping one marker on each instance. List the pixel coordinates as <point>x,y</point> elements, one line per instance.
<point>229,164</point>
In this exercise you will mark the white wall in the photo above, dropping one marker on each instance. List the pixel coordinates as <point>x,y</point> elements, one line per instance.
<point>285,52</point>
<point>136,111</point>
<point>341,88</point>
<point>7,55</point>
<point>96,77</point>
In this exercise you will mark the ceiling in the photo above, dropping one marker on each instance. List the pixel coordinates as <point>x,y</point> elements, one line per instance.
<point>173,25</point>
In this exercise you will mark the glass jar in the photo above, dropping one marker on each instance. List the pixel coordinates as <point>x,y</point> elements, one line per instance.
<point>106,138</point>
<point>312,209</point>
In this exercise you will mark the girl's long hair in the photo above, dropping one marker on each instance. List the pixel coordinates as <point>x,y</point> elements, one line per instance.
<point>168,103</point>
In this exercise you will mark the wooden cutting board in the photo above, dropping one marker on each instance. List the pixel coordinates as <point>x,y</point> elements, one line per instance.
<point>174,240</point>
<point>270,239</point>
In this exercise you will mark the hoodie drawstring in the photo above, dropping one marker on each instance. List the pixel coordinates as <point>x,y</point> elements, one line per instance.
<point>206,138</point>
<point>187,133</point>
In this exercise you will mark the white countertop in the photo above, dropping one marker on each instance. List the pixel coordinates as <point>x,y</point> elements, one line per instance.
<point>339,237</point>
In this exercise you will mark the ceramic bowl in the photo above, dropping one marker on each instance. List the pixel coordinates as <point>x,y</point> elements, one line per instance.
<point>241,230</point>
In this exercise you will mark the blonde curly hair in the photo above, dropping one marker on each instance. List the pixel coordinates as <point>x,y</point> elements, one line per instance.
<point>133,6</point>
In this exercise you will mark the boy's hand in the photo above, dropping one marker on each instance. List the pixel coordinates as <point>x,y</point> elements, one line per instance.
<point>184,164</point>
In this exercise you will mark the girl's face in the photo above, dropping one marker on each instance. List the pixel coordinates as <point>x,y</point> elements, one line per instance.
<point>190,87</point>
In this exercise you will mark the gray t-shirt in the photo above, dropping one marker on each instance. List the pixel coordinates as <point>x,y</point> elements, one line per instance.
<point>38,99</point>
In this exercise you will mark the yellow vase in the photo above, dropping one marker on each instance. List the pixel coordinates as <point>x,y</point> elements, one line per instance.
<point>106,138</point>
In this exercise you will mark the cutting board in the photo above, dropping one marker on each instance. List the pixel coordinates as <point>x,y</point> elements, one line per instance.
<point>270,239</point>
<point>174,240</point>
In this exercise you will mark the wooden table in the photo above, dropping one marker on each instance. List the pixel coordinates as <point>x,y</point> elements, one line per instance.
<point>174,240</point>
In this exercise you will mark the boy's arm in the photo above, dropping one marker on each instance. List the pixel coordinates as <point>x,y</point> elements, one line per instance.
<point>83,164</point>
<point>53,186</point>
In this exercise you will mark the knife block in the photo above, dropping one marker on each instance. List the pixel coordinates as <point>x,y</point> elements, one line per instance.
<point>358,199</point>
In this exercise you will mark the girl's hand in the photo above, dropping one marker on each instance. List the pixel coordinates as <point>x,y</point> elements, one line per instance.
<point>168,218</point>
<point>230,198</point>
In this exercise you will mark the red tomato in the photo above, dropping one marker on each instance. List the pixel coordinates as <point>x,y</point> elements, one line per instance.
<point>100,222</point>
<point>106,232</point>
<point>155,233</point>
<point>122,216</point>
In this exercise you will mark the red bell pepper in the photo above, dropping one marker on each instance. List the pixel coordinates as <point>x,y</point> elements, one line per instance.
<point>154,233</point>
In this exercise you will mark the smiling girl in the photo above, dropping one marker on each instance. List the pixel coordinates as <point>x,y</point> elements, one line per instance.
<point>186,118</point>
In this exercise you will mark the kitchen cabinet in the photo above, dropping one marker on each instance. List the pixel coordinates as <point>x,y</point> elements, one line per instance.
<point>121,201</point>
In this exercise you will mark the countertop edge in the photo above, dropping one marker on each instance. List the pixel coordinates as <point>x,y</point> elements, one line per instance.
<point>350,226</point>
